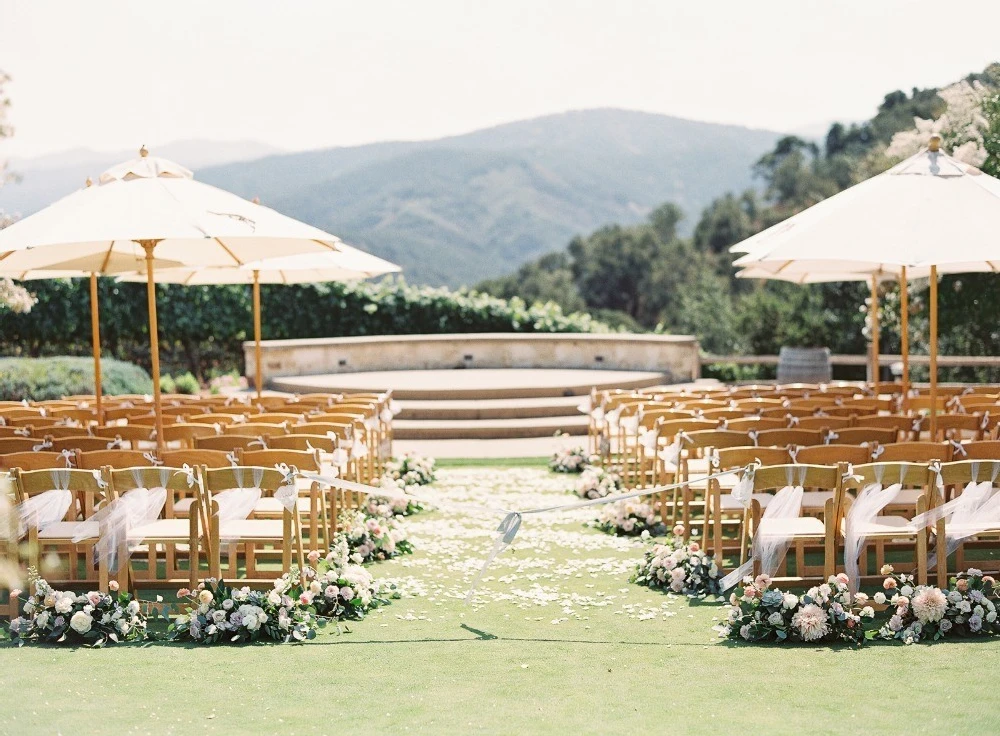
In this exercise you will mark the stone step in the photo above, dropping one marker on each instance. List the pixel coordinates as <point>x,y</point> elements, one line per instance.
<point>544,406</point>
<point>439,429</point>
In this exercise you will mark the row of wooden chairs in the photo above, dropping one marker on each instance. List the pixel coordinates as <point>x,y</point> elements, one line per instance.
<point>834,488</point>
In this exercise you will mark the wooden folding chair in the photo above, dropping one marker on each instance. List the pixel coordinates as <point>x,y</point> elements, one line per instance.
<point>959,427</point>
<point>893,528</point>
<point>757,424</point>
<point>312,505</point>
<point>721,510</point>
<point>975,531</point>
<point>823,423</point>
<point>984,450</point>
<point>132,435</point>
<point>786,437</point>
<point>22,444</point>
<point>85,443</point>
<point>801,531</point>
<point>36,460</point>
<point>177,538</point>
<point>87,493</point>
<point>254,535</point>
<point>915,452</point>
<point>184,435</point>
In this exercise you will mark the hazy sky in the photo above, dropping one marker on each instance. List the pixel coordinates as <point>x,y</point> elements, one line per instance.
<point>112,75</point>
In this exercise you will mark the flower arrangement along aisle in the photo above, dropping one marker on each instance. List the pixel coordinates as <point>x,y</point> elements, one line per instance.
<point>759,613</point>
<point>363,538</point>
<point>925,612</point>
<point>335,588</point>
<point>410,470</point>
<point>219,614</point>
<point>569,460</point>
<point>630,518</point>
<point>61,617</point>
<point>386,506</point>
<point>679,567</point>
<point>595,482</point>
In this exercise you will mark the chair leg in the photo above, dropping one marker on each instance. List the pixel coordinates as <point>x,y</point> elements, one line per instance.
<point>942,564</point>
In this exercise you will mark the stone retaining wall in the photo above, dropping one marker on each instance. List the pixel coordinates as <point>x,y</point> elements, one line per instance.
<point>676,355</point>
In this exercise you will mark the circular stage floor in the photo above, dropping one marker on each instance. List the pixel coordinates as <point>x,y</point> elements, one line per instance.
<point>473,383</point>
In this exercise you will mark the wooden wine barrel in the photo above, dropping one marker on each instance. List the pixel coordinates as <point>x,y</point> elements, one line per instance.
<point>804,365</point>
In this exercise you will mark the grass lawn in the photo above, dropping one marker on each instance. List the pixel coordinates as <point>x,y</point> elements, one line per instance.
<point>555,641</point>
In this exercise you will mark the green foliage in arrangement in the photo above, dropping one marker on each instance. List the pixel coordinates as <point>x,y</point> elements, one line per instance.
<point>53,378</point>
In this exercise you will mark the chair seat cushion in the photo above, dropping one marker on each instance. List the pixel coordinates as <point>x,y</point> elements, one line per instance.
<point>253,529</point>
<point>906,498</point>
<point>272,507</point>
<point>883,525</point>
<point>801,526</point>
<point>70,529</point>
<point>731,504</point>
<point>162,529</point>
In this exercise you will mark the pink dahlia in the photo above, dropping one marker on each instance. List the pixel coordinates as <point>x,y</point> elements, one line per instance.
<point>929,605</point>
<point>811,622</point>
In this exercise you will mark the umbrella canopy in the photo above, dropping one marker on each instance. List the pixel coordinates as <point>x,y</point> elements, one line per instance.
<point>928,212</point>
<point>346,264</point>
<point>150,205</point>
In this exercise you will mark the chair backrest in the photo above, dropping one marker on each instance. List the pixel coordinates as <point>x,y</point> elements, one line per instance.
<point>857,435</point>
<point>915,452</point>
<point>737,457</point>
<point>833,454</point>
<point>889,472</point>
<point>717,438</point>
<point>775,477</point>
<point>195,458</point>
<point>179,483</point>
<point>785,412</point>
<point>340,430</point>
<point>128,432</point>
<point>983,450</point>
<point>16,431</point>
<point>755,423</point>
<point>814,422</point>
<point>213,418</point>
<point>188,433</point>
<point>785,437</point>
<point>19,444</point>
<point>301,459</point>
<point>671,427</point>
<point>953,425</point>
<point>256,429</point>
<point>97,459</point>
<point>86,486</point>
<point>303,442</point>
<point>84,443</point>
<point>960,472</point>
<point>279,417</point>
<point>21,412</point>
<point>717,414</point>
<point>222,479</point>
<point>35,460</point>
<point>81,415</point>
<point>125,412</point>
<point>227,442</point>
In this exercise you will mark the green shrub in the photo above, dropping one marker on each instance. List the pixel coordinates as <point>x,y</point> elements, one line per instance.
<point>53,378</point>
<point>167,384</point>
<point>185,383</point>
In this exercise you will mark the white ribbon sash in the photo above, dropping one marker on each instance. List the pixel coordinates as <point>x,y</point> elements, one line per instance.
<point>770,542</point>
<point>236,504</point>
<point>46,508</point>
<point>870,502</point>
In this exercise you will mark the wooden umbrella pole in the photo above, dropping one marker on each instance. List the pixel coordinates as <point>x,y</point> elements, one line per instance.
<point>934,350</point>
<point>95,332</point>
<point>154,341</point>
<point>874,323</point>
<point>904,334</point>
<point>256,332</point>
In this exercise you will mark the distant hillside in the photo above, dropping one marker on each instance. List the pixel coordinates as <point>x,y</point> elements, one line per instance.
<point>458,210</point>
<point>47,178</point>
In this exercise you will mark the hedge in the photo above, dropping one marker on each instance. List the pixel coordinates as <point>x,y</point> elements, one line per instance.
<point>53,378</point>
<point>202,328</point>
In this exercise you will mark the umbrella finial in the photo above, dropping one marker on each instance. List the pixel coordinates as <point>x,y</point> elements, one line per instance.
<point>89,182</point>
<point>143,151</point>
<point>934,144</point>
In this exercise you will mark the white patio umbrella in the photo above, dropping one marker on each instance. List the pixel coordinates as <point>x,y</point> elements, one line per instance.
<point>346,264</point>
<point>90,267</point>
<point>150,208</point>
<point>929,211</point>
